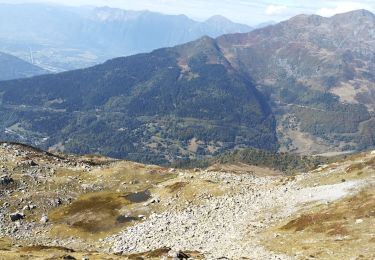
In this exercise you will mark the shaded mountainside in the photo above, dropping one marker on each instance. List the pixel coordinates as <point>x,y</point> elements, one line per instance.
<point>296,86</point>
<point>65,38</point>
<point>12,67</point>
<point>172,103</point>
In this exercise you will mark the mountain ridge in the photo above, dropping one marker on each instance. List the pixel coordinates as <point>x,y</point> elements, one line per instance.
<point>273,88</point>
<point>12,67</point>
<point>91,35</point>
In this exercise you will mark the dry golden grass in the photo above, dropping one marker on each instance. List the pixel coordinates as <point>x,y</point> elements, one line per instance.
<point>5,243</point>
<point>188,190</point>
<point>242,168</point>
<point>343,230</point>
<point>176,186</point>
<point>356,167</point>
<point>91,213</point>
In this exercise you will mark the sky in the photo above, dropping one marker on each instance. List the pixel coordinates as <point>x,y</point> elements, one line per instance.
<point>243,11</point>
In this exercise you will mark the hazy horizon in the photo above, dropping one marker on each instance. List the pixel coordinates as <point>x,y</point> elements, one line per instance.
<point>241,11</point>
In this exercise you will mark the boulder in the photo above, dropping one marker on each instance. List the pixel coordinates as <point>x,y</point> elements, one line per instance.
<point>44,219</point>
<point>6,180</point>
<point>32,163</point>
<point>68,257</point>
<point>182,255</point>
<point>16,216</point>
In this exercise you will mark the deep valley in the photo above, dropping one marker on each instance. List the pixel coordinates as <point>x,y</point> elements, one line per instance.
<point>310,95</point>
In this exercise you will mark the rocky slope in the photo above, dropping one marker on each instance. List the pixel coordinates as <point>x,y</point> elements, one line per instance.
<point>12,67</point>
<point>59,206</point>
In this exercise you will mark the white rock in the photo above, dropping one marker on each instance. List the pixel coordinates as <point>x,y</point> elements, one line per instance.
<point>44,219</point>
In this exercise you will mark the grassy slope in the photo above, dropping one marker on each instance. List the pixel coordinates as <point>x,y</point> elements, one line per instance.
<point>284,162</point>
<point>343,229</point>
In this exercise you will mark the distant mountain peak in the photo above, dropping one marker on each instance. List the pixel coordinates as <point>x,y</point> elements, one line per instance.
<point>356,13</point>
<point>223,23</point>
<point>218,18</point>
<point>352,18</point>
<point>304,19</point>
<point>106,13</point>
<point>357,18</point>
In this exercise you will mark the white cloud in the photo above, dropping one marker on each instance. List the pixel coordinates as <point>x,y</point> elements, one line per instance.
<point>343,7</point>
<point>276,9</point>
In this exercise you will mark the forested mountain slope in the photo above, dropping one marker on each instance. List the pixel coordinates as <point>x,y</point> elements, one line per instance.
<point>304,85</point>
<point>171,103</point>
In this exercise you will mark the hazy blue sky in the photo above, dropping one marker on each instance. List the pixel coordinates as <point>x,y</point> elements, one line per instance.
<point>245,11</point>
